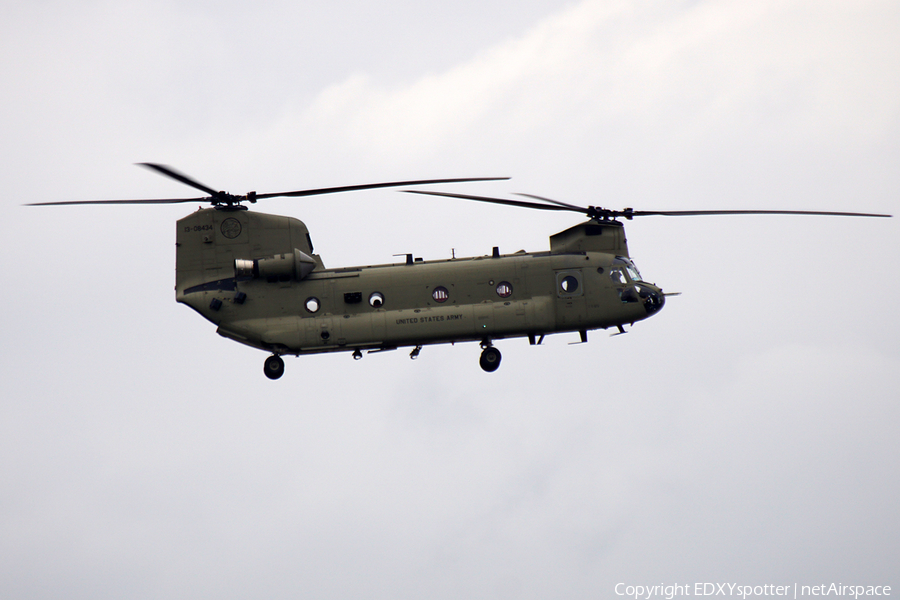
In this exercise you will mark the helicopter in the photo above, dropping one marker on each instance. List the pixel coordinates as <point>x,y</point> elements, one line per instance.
<point>257,278</point>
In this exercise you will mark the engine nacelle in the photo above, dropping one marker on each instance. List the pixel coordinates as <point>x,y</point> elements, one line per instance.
<point>281,267</point>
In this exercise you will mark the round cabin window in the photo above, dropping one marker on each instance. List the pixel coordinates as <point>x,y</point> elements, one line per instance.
<point>569,284</point>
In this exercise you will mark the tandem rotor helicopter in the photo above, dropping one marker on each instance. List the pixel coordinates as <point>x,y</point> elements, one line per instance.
<point>256,277</point>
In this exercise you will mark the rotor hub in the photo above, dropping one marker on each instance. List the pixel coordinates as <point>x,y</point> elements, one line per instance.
<point>226,200</point>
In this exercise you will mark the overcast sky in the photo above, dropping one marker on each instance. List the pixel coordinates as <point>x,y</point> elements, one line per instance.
<point>745,434</point>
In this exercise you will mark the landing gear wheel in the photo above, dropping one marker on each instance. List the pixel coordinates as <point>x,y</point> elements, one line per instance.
<point>490,359</point>
<point>274,367</point>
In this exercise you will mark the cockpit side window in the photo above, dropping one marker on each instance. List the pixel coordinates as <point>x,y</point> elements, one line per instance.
<point>624,276</point>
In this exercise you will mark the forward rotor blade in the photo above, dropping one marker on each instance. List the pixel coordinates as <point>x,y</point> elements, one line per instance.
<point>695,213</point>
<point>571,206</point>
<point>628,213</point>
<point>519,203</point>
<point>370,186</point>
<point>170,172</point>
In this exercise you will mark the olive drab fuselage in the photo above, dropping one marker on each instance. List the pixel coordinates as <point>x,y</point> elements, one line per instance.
<point>257,278</point>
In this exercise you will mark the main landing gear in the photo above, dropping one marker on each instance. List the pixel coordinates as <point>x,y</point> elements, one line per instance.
<point>274,367</point>
<point>490,358</point>
<point>489,361</point>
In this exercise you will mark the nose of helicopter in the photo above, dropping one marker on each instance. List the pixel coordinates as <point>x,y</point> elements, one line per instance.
<point>652,297</point>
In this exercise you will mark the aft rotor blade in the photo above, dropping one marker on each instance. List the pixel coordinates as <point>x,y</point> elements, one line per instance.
<point>170,172</point>
<point>370,186</point>
<point>519,203</point>
<point>150,201</point>
<point>695,213</point>
<point>217,197</point>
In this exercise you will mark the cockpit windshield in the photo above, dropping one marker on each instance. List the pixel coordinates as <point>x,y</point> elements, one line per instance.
<point>628,265</point>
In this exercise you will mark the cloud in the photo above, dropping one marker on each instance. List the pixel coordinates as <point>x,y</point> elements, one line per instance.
<point>664,80</point>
